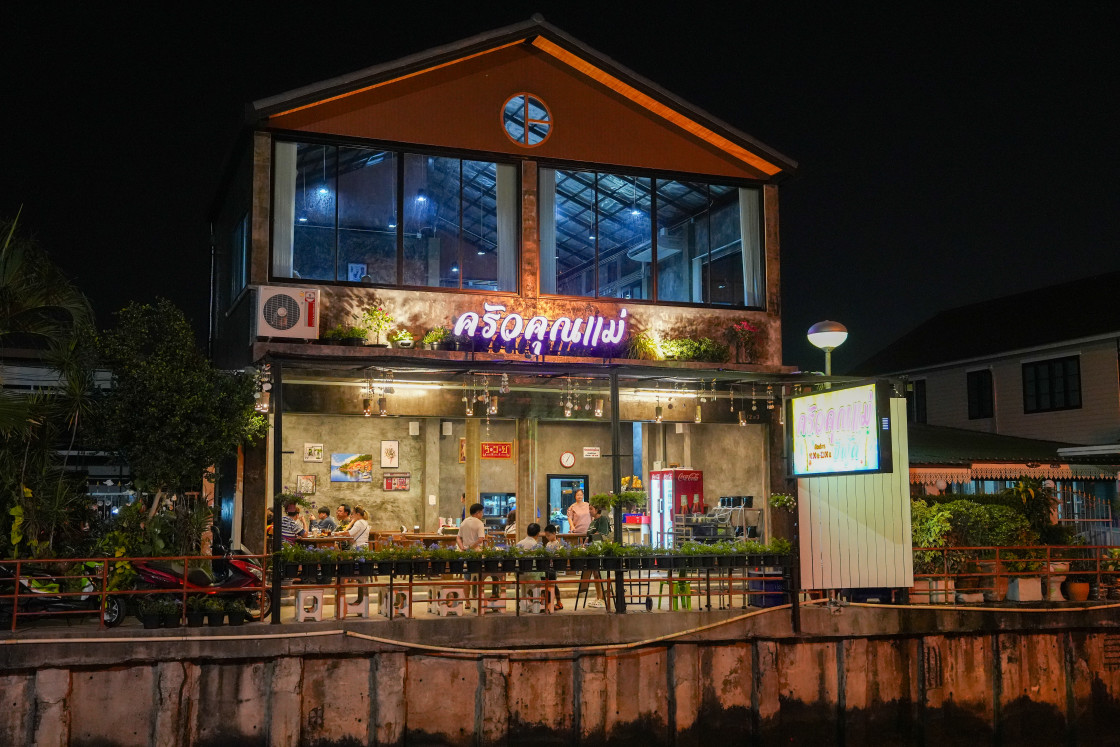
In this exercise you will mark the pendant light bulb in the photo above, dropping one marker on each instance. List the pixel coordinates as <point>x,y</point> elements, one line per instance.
<point>382,406</point>
<point>367,410</point>
<point>493,408</point>
<point>742,417</point>
<point>599,408</point>
<point>657,414</point>
<point>697,418</point>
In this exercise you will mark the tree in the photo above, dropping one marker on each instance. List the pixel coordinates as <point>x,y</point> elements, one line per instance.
<point>43,506</point>
<point>169,412</point>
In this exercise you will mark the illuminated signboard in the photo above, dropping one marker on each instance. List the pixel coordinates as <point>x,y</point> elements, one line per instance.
<point>840,431</point>
<point>538,334</point>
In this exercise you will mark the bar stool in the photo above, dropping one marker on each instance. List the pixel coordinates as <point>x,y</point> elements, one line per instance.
<point>312,612</point>
<point>359,607</point>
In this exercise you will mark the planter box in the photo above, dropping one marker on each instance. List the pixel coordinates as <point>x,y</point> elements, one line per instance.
<point>195,619</point>
<point>1024,589</point>
<point>171,620</point>
<point>998,592</point>
<point>492,565</point>
<point>529,565</point>
<point>474,566</point>
<point>215,619</point>
<point>236,618</point>
<point>579,564</point>
<point>509,565</point>
<point>402,344</point>
<point>437,567</point>
<point>611,564</point>
<point>457,566</point>
<point>290,570</point>
<point>345,569</point>
<point>932,591</point>
<point>151,622</point>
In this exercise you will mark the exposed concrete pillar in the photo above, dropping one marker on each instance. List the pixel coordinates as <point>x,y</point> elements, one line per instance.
<point>530,231</point>
<point>429,431</point>
<point>473,463</point>
<point>527,499</point>
<point>387,701</point>
<point>493,706</point>
<point>285,709</point>
<point>52,708</point>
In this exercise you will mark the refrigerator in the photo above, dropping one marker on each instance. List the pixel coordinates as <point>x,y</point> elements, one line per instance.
<point>672,492</point>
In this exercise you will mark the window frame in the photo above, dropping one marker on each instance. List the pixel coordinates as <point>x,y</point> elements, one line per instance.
<point>981,375</point>
<point>1050,363</point>
<point>597,169</point>
<point>401,150</point>
<point>917,405</point>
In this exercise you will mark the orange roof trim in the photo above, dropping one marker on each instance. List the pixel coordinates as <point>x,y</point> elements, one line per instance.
<point>655,106</point>
<point>397,79</point>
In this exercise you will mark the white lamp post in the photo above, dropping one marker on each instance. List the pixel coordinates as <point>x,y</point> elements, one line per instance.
<point>828,336</point>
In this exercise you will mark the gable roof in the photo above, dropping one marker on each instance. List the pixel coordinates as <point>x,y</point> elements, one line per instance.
<point>1068,311</point>
<point>568,51</point>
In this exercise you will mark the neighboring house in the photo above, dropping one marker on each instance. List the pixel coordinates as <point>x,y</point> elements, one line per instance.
<point>1039,371</point>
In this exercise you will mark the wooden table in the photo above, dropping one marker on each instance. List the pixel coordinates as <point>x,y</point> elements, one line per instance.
<point>326,541</point>
<point>427,539</point>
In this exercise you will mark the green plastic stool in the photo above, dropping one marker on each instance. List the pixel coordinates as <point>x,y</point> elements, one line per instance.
<point>680,595</point>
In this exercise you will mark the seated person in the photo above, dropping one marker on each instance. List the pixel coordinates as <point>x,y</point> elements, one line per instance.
<point>600,528</point>
<point>291,525</point>
<point>324,523</point>
<point>511,525</point>
<point>343,516</point>
<point>552,591</point>
<point>532,539</point>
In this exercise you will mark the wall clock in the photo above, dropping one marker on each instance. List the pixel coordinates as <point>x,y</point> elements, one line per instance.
<point>567,460</point>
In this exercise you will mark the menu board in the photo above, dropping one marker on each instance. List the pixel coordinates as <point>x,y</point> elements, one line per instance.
<point>839,431</point>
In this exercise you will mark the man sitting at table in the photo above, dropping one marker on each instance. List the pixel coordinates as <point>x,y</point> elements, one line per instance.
<point>291,525</point>
<point>532,539</point>
<point>325,522</point>
<point>343,515</point>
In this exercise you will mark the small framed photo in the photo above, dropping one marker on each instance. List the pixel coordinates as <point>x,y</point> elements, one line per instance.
<point>305,484</point>
<point>390,455</point>
<point>355,271</point>
<point>462,451</point>
<point>313,452</point>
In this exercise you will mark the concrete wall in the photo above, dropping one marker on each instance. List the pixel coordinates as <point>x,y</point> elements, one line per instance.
<point>1011,687</point>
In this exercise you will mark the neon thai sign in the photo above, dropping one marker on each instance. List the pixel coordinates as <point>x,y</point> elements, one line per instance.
<point>584,332</point>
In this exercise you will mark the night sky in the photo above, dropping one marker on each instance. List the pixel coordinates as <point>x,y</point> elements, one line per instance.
<point>948,153</point>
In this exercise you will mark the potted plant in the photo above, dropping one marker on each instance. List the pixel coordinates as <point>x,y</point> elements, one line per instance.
<point>151,610</point>
<point>377,320</point>
<point>346,334</point>
<point>1026,575</point>
<point>783,502</point>
<point>435,337</point>
<point>235,611</point>
<point>745,335</point>
<point>215,611</point>
<point>1110,566</point>
<point>196,610</point>
<point>400,338</point>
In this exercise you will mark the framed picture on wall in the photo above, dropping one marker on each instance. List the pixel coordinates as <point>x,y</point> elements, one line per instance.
<point>312,452</point>
<point>355,271</point>
<point>390,455</point>
<point>462,451</point>
<point>305,484</point>
<point>351,467</point>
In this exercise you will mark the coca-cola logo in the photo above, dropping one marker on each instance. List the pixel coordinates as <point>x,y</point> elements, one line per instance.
<point>689,477</point>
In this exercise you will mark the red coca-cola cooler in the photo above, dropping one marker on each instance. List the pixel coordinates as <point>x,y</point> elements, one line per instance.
<point>672,492</point>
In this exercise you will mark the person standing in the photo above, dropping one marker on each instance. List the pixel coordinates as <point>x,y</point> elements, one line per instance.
<point>471,533</point>
<point>579,515</point>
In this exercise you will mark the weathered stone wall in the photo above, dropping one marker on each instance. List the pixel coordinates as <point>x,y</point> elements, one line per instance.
<point>1000,687</point>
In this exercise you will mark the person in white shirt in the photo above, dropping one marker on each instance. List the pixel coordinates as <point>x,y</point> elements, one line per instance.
<point>579,515</point>
<point>532,539</point>
<point>358,529</point>
<point>472,530</point>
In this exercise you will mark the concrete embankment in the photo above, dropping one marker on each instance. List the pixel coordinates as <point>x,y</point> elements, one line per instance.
<point>854,676</point>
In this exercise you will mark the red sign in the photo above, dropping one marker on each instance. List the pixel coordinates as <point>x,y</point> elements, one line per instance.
<point>497,449</point>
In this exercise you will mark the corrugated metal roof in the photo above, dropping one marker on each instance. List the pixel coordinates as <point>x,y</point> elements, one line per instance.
<point>931,444</point>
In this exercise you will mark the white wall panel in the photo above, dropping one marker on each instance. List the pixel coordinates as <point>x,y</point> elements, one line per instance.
<point>855,530</point>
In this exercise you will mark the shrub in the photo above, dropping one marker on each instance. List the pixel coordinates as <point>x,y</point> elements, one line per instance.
<point>435,335</point>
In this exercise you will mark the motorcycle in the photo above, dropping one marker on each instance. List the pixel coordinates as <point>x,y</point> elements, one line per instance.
<point>233,576</point>
<point>39,591</point>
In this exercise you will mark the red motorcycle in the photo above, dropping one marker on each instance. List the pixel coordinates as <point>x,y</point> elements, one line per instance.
<point>234,576</point>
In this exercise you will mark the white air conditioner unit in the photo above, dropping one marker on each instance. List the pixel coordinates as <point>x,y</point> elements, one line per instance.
<point>288,312</point>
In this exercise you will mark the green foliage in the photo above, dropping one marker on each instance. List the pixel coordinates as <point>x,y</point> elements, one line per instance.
<point>783,502</point>
<point>235,606</point>
<point>635,498</point>
<point>643,346</point>
<point>345,332</point>
<point>704,349</point>
<point>158,605</point>
<point>603,501</point>
<point>984,499</point>
<point>437,334</point>
<point>1037,501</point>
<point>397,335</point>
<point>170,413</point>
<point>929,527</point>
<point>213,604</point>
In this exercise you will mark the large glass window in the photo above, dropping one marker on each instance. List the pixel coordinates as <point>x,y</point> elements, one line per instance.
<point>603,234</point>
<point>239,256</point>
<point>372,216</point>
<point>1052,385</point>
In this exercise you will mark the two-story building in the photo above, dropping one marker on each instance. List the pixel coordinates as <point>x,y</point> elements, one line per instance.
<point>565,220</point>
<point>1027,384</point>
